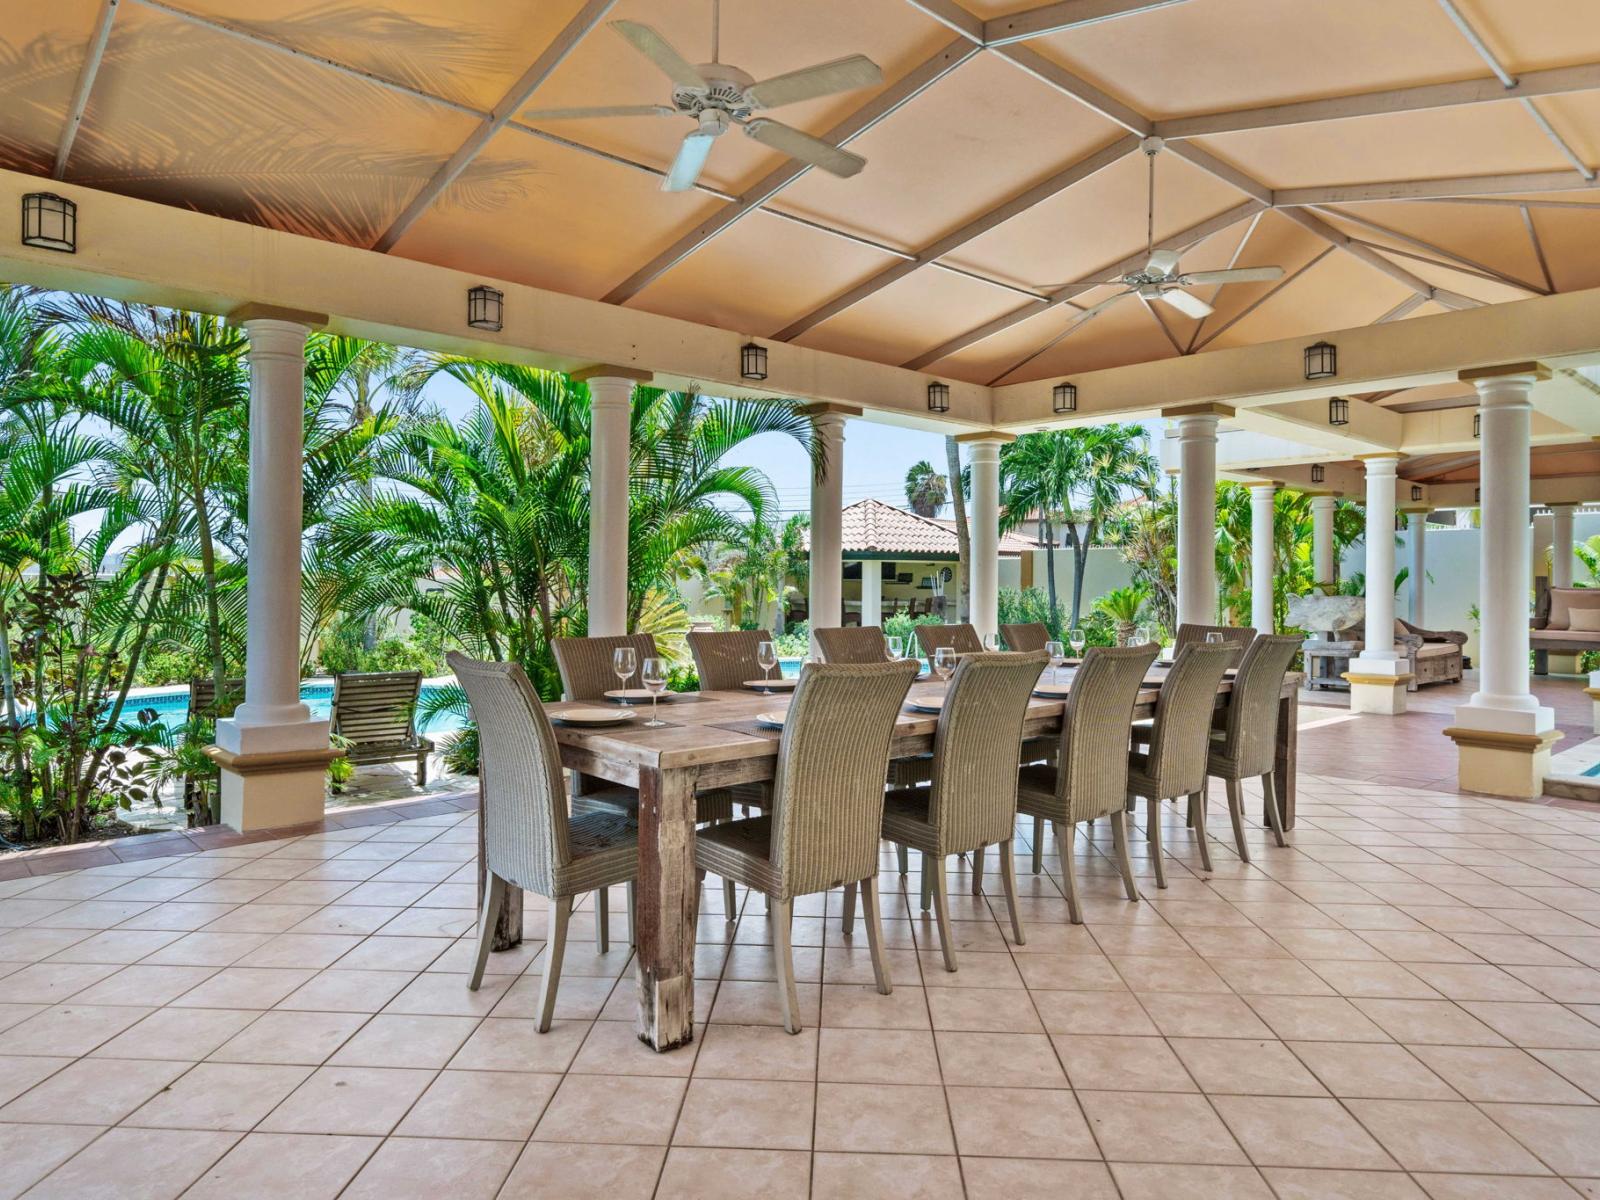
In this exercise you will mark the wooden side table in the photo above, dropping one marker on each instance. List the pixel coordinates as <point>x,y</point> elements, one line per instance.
<point>1326,663</point>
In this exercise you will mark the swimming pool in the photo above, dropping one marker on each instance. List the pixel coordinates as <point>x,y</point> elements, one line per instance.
<point>171,705</point>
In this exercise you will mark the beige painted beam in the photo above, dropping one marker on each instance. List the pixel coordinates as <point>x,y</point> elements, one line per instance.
<point>1564,489</point>
<point>1089,165</point>
<point>1460,260</point>
<point>1457,187</point>
<point>953,17</point>
<point>1064,81</point>
<point>910,85</point>
<point>80,92</point>
<point>1372,428</point>
<point>1315,224</point>
<point>1062,16</point>
<point>1584,77</point>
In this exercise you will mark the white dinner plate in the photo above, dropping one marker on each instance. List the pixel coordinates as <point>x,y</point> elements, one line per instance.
<point>927,704</point>
<point>772,720</point>
<point>595,717</point>
<point>1052,691</point>
<point>779,684</point>
<point>635,695</point>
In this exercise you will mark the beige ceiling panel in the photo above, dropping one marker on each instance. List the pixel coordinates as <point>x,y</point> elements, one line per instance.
<point>545,215</point>
<point>41,51</point>
<point>905,318</point>
<point>186,116</point>
<point>1571,238</point>
<point>1576,118</point>
<point>1214,55</point>
<point>1276,242</point>
<point>761,37</point>
<point>978,136</point>
<point>1487,290</point>
<point>1492,235</point>
<point>759,275</point>
<point>1123,334</point>
<point>1096,222</point>
<point>1337,293</point>
<point>1529,36</point>
<point>469,51</point>
<point>985,360</point>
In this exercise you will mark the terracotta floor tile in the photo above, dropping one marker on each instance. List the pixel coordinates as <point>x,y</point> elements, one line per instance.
<point>1225,1066</point>
<point>614,1048</point>
<point>885,1177</point>
<point>154,1164</point>
<point>762,1051</point>
<point>1425,1135</point>
<point>267,1166</point>
<point>1214,1016</point>
<point>33,1151</point>
<point>880,1119</point>
<point>503,1044</point>
<point>884,1056</point>
<point>1159,1181</point>
<point>1493,1074</point>
<point>1501,1187</point>
<point>753,1114</point>
<point>1316,1018</point>
<point>1537,1026</point>
<point>404,1040</point>
<point>1296,1131</point>
<point>496,1105</point>
<point>1565,1138</point>
<point>92,1092</point>
<point>1111,1063</point>
<point>286,1037</point>
<point>19,1072</point>
<point>426,1166</point>
<point>1299,1184</point>
<point>219,1096</point>
<point>984,1010</point>
<point>349,1100</point>
<point>1000,1059</point>
<point>1439,1022</point>
<point>600,1108</point>
<point>1371,1070</point>
<point>1036,1179</point>
<point>1081,1013</point>
<point>1019,1123</point>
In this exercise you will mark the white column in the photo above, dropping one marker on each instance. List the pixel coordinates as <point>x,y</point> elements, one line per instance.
<point>984,523</point>
<point>1416,537</point>
<point>1197,519</point>
<point>871,592</point>
<point>1379,657</point>
<point>610,403</point>
<point>1322,509</point>
<point>1262,567</point>
<point>1561,544</point>
<point>272,717</point>
<point>827,509</point>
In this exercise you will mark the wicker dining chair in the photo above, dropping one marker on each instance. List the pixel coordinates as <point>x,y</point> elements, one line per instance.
<point>1090,779</point>
<point>529,839</point>
<point>1247,744</point>
<point>963,639</point>
<point>972,801</point>
<point>856,644</point>
<point>1026,637</point>
<point>725,661</point>
<point>1173,765</point>
<point>1238,637</point>
<point>827,811</point>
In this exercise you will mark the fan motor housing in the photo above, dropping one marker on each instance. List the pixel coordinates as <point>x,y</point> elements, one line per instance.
<point>725,89</point>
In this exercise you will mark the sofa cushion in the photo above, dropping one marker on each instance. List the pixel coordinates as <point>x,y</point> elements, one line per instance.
<point>1437,650</point>
<point>1575,637</point>
<point>1586,620</point>
<point>1564,600</point>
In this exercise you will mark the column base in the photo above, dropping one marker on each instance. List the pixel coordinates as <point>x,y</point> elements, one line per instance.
<point>1384,695</point>
<point>1503,764</point>
<point>269,790</point>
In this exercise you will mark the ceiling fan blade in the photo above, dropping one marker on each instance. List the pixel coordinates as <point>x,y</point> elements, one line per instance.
<point>1235,275</point>
<point>691,160</point>
<point>807,149</point>
<point>1162,262</point>
<point>658,50</point>
<point>600,110</point>
<point>1187,303</point>
<point>824,79</point>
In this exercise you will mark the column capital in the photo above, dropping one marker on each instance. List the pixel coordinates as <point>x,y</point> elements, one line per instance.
<point>1214,411</point>
<point>1380,465</point>
<point>247,314</point>
<point>825,408</point>
<point>1531,371</point>
<point>986,437</point>
<point>1270,485</point>
<point>1197,427</point>
<point>610,371</point>
<point>1325,500</point>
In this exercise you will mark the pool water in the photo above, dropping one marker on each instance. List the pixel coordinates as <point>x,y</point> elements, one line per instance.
<point>172,707</point>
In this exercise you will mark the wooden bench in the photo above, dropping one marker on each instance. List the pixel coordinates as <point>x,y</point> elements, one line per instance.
<point>376,712</point>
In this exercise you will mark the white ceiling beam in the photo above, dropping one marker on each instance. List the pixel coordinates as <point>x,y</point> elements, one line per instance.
<point>1178,241</point>
<point>1081,90</point>
<point>1538,247</point>
<point>908,86</point>
<point>977,227</point>
<point>80,92</point>
<point>953,17</point>
<point>1263,298</point>
<point>1584,77</point>
<point>1457,187</point>
<point>1315,224</point>
<point>515,99</point>
<point>1458,259</point>
<point>1062,16</point>
<point>1229,175</point>
<point>1399,310</point>
<point>1216,289</point>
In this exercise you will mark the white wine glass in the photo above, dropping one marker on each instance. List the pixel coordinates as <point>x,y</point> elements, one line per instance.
<point>654,676</point>
<point>1077,639</point>
<point>897,647</point>
<point>1214,638</point>
<point>944,662</point>
<point>623,664</point>
<point>1058,655</point>
<point>766,659</point>
<point>1142,635</point>
<point>991,642</point>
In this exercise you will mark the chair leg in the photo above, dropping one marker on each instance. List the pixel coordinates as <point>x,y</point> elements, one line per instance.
<point>1065,836</point>
<point>871,916</point>
<point>1273,814</point>
<point>927,881</point>
<point>602,921</point>
<point>904,855</point>
<point>1197,822</point>
<point>554,950</point>
<point>1008,880</point>
<point>977,870</point>
<point>1119,838</point>
<point>941,910</point>
<point>848,925</point>
<point>633,909</point>
<point>783,954</point>
<point>730,902</point>
<point>1236,815</point>
<point>422,770</point>
<point>494,895</point>
<point>1154,834</point>
<point>1038,845</point>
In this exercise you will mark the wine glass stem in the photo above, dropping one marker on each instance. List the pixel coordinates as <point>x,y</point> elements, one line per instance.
<point>653,720</point>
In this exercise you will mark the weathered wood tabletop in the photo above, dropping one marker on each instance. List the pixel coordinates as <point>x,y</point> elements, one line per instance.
<point>710,740</point>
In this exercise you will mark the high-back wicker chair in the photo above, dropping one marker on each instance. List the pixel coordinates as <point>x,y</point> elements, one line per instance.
<point>1174,764</point>
<point>856,644</point>
<point>1090,779</point>
<point>529,840</point>
<point>827,811</point>
<point>972,801</point>
<point>963,639</point>
<point>1238,637</point>
<point>1247,744</point>
<point>585,663</point>
<point>1026,637</point>
<point>724,661</point>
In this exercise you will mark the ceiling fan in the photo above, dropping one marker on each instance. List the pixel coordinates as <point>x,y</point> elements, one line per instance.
<point>716,96</point>
<point>1160,279</point>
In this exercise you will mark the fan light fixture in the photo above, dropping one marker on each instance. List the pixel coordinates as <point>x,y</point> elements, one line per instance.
<point>752,361</point>
<point>1338,411</point>
<point>485,308</point>
<point>1318,473</point>
<point>49,222</point>
<point>1477,424</point>
<point>1322,360</point>
<point>939,397</point>
<point>1064,397</point>
<point>1416,492</point>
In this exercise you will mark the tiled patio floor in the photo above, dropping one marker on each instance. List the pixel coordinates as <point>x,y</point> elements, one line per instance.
<point>1402,1004</point>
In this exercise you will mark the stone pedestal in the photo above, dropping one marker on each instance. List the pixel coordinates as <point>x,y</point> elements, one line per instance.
<point>272,789</point>
<point>1375,691</point>
<point>1593,692</point>
<point>1503,764</point>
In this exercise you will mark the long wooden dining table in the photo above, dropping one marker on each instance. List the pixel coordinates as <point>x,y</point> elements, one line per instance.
<point>712,740</point>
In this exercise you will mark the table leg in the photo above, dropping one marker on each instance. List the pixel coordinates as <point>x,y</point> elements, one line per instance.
<point>1285,758</point>
<point>666,903</point>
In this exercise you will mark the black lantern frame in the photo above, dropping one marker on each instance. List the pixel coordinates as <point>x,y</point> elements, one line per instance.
<point>1338,410</point>
<point>49,222</point>
<point>752,361</point>
<point>1477,424</point>
<point>1318,472</point>
<point>939,397</point>
<point>486,308</point>
<point>1064,398</point>
<point>1322,360</point>
<point>1416,492</point>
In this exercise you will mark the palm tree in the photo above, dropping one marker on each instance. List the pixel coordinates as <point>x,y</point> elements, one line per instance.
<point>926,489</point>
